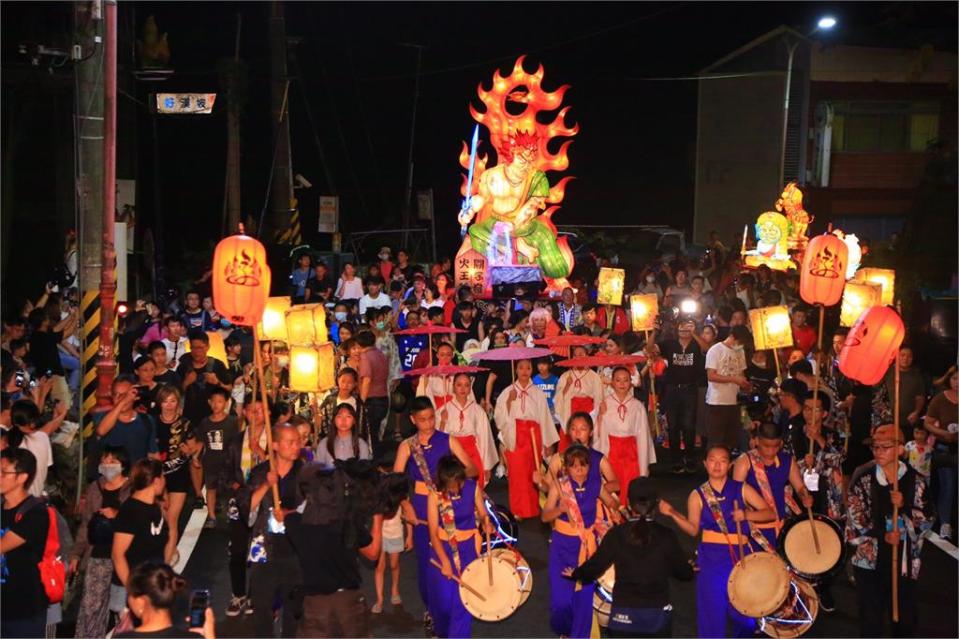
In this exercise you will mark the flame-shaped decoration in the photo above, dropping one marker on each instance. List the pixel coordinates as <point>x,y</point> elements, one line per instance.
<point>521,87</point>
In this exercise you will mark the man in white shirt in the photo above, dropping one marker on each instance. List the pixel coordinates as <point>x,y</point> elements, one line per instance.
<point>375,297</point>
<point>175,342</point>
<point>725,375</point>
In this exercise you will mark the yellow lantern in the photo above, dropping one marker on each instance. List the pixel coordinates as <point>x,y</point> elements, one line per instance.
<point>857,298</point>
<point>306,324</point>
<point>312,368</point>
<point>273,324</point>
<point>771,328</point>
<point>643,310</point>
<point>883,276</point>
<point>217,348</point>
<point>610,291</point>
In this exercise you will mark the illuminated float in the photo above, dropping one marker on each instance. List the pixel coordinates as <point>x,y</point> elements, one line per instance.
<point>508,206</point>
<point>780,234</point>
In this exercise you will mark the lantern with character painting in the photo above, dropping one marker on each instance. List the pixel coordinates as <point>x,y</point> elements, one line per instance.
<point>872,345</point>
<point>241,279</point>
<point>823,273</point>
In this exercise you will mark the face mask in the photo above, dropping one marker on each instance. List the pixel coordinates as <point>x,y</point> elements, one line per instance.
<point>384,256</point>
<point>381,326</point>
<point>340,316</point>
<point>650,278</point>
<point>110,471</point>
<point>283,361</point>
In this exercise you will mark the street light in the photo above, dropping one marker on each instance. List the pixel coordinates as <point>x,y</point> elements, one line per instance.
<point>825,23</point>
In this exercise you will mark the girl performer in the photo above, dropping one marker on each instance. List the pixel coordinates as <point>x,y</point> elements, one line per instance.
<point>468,424</point>
<point>454,510</point>
<point>622,432</point>
<point>575,505</point>
<point>579,390</point>
<point>714,508</point>
<point>438,387</point>
<point>526,431</point>
<point>580,429</point>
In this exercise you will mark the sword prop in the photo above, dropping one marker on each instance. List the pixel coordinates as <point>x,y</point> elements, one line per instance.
<point>464,209</point>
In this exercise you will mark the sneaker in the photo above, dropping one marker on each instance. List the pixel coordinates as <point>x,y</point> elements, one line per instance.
<point>396,600</point>
<point>237,605</point>
<point>945,531</point>
<point>210,523</point>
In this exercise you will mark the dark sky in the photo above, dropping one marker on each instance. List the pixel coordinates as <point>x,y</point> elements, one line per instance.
<point>633,158</point>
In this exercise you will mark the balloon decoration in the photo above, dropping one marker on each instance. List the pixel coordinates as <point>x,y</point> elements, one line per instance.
<point>856,298</point>
<point>643,310</point>
<point>771,327</point>
<point>886,277</point>
<point>306,324</point>
<point>823,272</point>
<point>241,279</point>
<point>610,288</point>
<point>312,368</point>
<point>872,345</point>
<point>273,324</point>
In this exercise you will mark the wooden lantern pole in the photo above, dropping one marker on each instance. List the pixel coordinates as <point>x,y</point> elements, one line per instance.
<point>258,359</point>
<point>779,376</point>
<point>653,403</point>
<point>815,401</point>
<point>895,509</point>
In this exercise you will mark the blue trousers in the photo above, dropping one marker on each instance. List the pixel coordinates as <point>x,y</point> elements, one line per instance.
<point>570,610</point>
<point>421,545</point>
<point>714,614</point>
<point>450,616</point>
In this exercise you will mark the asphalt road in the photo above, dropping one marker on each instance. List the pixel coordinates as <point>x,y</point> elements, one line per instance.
<point>207,568</point>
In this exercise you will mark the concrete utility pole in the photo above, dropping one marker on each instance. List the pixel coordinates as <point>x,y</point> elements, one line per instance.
<point>281,193</point>
<point>232,195</point>
<point>107,365</point>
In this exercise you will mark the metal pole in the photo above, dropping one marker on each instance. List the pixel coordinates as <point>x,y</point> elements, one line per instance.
<point>106,364</point>
<point>789,76</point>
<point>409,158</point>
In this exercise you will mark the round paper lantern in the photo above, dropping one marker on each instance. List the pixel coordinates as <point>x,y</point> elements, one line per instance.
<point>823,272</point>
<point>241,279</point>
<point>872,345</point>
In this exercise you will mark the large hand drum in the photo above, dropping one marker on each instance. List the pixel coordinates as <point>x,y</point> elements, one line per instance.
<point>499,600</point>
<point>603,597</point>
<point>796,615</point>
<point>759,584</point>
<point>523,572</point>
<point>797,547</point>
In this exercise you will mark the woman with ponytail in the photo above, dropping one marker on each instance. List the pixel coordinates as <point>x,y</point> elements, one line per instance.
<point>645,554</point>
<point>152,593</point>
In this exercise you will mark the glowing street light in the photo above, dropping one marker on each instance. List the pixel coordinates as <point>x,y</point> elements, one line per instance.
<point>826,22</point>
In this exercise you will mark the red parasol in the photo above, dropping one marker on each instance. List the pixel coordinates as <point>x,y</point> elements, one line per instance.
<point>429,330</point>
<point>602,360</point>
<point>568,341</point>
<point>512,354</point>
<point>448,369</point>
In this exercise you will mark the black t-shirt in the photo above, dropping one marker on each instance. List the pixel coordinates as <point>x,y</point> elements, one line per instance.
<point>761,378</point>
<point>245,336</point>
<point>684,366</point>
<point>320,288</point>
<point>44,352</point>
<point>169,378</point>
<point>170,436</point>
<point>794,434</point>
<point>215,435</point>
<point>173,632</point>
<point>326,562</point>
<point>22,594</point>
<point>195,406</point>
<point>148,527</point>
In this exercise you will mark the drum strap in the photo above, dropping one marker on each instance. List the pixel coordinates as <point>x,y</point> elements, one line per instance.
<point>762,480</point>
<point>448,521</point>
<point>586,535</point>
<point>717,512</point>
<point>419,458</point>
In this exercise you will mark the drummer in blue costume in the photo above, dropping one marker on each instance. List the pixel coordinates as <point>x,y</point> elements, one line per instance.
<point>418,457</point>
<point>714,508</point>
<point>580,510</point>
<point>453,512</point>
<point>768,469</point>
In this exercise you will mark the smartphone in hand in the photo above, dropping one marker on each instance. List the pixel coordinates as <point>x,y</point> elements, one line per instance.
<point>199,602</point>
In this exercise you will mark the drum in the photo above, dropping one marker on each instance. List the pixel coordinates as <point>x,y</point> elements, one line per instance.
<point>499,600</point>
<point>797,547</point>
<point>796,615</point>
<point>507,531</point>
<point>603,596</point>
<point>523,572</point>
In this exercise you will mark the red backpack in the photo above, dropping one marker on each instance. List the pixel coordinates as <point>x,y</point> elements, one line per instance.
<point>53,573</point>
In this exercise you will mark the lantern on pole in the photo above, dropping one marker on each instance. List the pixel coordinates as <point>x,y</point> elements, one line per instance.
<point>241,279</point>
<point>823,272</point>
<point>856,298</point>
<point>306,324</point>
<point>273,324</point>
<point>643,310</point>
<point>610,289</point>
<point>312,368</point>
<point>217,349</point>
<point>771,327</point>
<point>885,277</point>
<point>872,345</point>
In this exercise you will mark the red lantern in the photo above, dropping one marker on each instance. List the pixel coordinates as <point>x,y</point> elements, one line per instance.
<point>241,279</point>
<point>823,273</point>
<point>872,345</point>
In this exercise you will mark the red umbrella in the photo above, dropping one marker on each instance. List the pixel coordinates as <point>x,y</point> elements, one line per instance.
<point>602,360</point>
<point>430,330</point>
<point>449,369</point>
<point>512,354</point>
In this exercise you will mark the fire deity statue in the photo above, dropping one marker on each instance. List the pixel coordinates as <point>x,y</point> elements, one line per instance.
<point>511,203</point>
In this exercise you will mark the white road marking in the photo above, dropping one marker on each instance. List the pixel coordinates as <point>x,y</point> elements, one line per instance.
<point>190,536</point>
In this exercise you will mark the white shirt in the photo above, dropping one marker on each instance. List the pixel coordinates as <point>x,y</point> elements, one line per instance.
<point>174,350</point>
<point>379,301</point>
<point>342,450</point>
<point>470,420</point>
<point>38,443</point>
<point>530,404</point>
<point>725,361</point>
<point>434,386</point>
<point>626,419</point>
<point>351,290</point>
<point>586,383</point>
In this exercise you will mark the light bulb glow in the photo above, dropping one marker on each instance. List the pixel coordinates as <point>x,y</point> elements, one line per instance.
<point>826,22</point>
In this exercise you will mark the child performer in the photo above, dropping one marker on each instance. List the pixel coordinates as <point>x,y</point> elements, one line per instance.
<point>579,390</point>
<point>526,431</point>
<point>454,511</point>
<point>466,422</point>
<point>438,387</point>
<point>622,432</point>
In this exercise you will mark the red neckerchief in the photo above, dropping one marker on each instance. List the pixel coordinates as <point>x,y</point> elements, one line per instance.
<point>577,381</point>
<point>621,406</point>
<point>463,410</point>
<point>521,395</point>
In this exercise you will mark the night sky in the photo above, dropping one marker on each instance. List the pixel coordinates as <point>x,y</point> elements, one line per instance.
<point>633,158</point>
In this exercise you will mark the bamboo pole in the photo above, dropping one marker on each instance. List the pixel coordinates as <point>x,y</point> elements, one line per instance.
<point>815,401</point>
<point>779,376</point>
<point>258,358</point>
<point>895,509</point>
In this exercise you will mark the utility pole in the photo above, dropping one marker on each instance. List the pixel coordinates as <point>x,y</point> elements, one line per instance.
<point>407,202</point>
<point>281,193</point>
<point>106,365</point>
<point>231,202</point>
<point>89,126</point>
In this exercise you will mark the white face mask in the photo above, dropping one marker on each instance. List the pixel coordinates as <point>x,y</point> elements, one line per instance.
<point>650,278</point>
<point>384,256</point>
<point>340,316</point>
<point>110,471</point>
